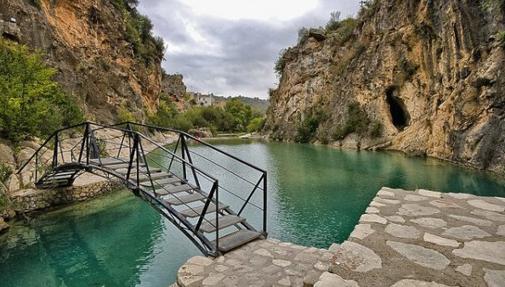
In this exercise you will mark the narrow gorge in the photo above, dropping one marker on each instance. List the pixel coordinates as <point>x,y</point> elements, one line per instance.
<point>423,77</point>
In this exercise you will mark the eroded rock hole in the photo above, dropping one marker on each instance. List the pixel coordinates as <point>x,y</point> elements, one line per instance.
<point>399,114</point>
<point>11,37</point>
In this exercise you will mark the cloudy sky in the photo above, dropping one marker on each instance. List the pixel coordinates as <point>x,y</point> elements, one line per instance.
<point>229,47</point>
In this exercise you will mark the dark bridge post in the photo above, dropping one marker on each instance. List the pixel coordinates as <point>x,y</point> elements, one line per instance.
<point>83,144</point>
<point>55,152</point>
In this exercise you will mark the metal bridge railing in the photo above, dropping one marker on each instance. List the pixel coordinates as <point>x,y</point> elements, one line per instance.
<point>87,145</point>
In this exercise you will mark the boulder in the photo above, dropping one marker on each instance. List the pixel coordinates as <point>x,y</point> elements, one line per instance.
<point>7,154</point>
<point>3,225</point>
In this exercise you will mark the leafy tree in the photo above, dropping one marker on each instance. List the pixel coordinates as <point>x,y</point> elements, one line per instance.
<point>234,117</point>
<point>241,113</point>
<point>256,124</point>
<point>334,22</point>
<point>280,63</point>
<point>33,104</point>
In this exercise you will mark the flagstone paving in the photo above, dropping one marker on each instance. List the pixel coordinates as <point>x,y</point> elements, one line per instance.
<point>405,238</point>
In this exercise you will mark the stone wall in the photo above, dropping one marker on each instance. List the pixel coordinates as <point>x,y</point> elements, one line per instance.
<point>28,200</point>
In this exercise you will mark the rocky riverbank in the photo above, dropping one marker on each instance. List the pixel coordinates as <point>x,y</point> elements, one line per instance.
<point>405,238</point>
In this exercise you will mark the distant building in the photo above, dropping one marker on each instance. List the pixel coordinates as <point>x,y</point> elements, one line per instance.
<point>203,100</point>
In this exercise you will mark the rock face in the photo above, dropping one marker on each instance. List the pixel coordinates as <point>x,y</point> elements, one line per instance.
<point>88,43</point>
<point>429,74</point>
<point>173,87</point>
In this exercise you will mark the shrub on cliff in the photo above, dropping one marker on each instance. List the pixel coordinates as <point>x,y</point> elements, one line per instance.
<point>33,104</point>
<point>138,32</point>
<point>280,63</point>
<point>5,172</point>
<point>307,128</point>
<point>357,121</point>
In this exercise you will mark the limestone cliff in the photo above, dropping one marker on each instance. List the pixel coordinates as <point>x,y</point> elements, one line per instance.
<point>429,74</point>
<point>93,45</point>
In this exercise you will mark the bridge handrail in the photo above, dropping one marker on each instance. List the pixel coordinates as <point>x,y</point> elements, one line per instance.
<point>176,156</point>
<point>195,139</point>
<point>46,141</point>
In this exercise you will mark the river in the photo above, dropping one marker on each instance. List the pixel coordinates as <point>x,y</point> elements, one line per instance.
<point>316,195</point>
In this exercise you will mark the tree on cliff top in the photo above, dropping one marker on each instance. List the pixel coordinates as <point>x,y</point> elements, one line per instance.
<point>32,103</point>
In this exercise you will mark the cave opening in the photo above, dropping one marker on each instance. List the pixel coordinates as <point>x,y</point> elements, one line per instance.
<point>399,114</point>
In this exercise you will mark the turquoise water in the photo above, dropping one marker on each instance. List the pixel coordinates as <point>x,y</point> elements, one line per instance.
<point>315,197</point>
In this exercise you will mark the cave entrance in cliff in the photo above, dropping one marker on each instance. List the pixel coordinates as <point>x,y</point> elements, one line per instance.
<point>399,114</point>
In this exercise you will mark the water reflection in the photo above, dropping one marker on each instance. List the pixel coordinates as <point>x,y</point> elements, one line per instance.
<point>111,241</point>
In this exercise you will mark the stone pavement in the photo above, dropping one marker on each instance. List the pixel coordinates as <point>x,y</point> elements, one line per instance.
<point>405,238</point>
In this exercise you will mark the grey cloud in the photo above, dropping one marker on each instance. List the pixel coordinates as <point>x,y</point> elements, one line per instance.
<point>246,50</point>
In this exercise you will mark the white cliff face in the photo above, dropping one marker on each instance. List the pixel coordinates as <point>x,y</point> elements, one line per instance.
<point>431,72</point>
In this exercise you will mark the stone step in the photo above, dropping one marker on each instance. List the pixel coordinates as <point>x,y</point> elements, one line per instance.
<point>236,239</point>
<point>224,221</point>
<point>184,199</point>
<point>197,211</point>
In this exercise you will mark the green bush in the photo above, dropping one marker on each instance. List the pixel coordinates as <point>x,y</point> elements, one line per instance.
<point>357,121</point>
<point>375,130</point>
<point>501,38</point>
<point>256,124</point>
<point>4,203</point>
<point>334,22</point>
<point>307,128</point>
<point>235,116</point>
<point>240,112</point>
<point>33,104</point>
<point>138,32</point>
<point>280,64</point>
<point>5,172</point>
<point>344,32</point>
<point>124,115</point>
<point>181,122</point>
